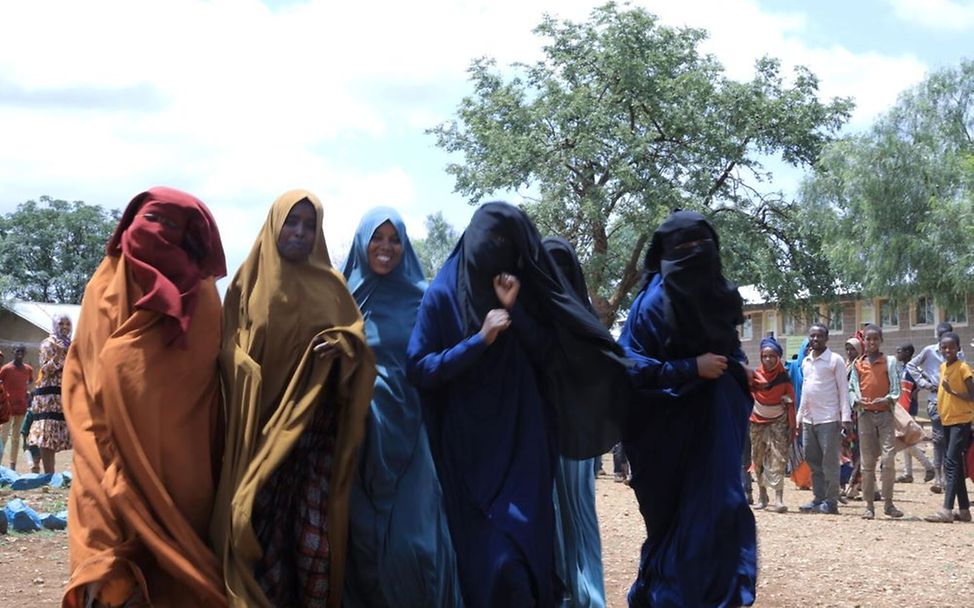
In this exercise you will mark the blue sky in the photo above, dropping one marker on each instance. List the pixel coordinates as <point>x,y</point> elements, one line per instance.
<point>237,101</point>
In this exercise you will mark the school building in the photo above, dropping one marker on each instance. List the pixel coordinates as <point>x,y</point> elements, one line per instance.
<point>913,321</point>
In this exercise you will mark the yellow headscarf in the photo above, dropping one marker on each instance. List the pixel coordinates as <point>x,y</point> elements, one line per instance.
<point>273,313</point>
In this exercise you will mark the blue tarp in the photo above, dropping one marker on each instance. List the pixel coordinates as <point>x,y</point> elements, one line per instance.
<point>55,521</point>
<point>30,481</point>
<point>21,517</point>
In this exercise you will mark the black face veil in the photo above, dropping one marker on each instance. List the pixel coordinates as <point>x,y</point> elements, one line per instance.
<point>584,379</point>
<point>703,309</point>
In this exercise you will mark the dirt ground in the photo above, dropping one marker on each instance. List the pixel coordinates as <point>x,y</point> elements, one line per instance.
<point>805,560</point>
<point>824,560</point>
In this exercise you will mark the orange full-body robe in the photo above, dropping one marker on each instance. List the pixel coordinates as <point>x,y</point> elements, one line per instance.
<point>145,420</point>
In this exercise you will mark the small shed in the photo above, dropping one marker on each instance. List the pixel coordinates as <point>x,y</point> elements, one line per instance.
<point>29,323</point>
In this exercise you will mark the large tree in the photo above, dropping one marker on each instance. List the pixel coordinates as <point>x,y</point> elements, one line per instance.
<point>441,238</point>
<point>623,120</point>
<point>50,248</point>
<point>897,203</point>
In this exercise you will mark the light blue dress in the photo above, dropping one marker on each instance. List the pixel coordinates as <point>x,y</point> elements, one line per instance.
<point>400,553</point>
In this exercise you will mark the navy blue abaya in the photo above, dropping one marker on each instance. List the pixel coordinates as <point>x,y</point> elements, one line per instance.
<point>684,442</point>
<point>492,440</point>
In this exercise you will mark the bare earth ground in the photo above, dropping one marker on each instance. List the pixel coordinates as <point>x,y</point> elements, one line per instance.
<point>805,560</point>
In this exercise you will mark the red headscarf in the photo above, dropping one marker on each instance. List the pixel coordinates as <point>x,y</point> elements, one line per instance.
<point>169,252</point>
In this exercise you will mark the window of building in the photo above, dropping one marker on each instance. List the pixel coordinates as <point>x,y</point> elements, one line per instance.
<point>791,324</point>
<point>923,311</point>
<point>771,323</point>
<point>747,329</point>
<point>831,316</point>
<point>956,314</point>
<point>889,315</point>
<point>867,312</point>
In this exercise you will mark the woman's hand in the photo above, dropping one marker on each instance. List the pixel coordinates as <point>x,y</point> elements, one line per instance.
<point>496,321</point>
<point>507,286</point>
<point>711,366</point>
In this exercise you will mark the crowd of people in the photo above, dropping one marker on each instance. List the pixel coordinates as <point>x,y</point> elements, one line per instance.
<point>365,438</point>
<point>854,414</point>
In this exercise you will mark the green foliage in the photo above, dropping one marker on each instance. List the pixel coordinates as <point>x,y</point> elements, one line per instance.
<point>440,239</point>
<point>50,248</point>
<point>624,120</point>
<point>897,203</point>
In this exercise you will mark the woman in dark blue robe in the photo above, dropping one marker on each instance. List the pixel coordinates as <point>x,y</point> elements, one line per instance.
<point>399,548</point>
<point>686,428</point>
<point>578,546</point>
<point>497,346</point>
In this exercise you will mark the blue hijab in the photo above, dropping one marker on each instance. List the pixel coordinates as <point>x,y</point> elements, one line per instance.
<point>403,286</point>
<point>400,553</point>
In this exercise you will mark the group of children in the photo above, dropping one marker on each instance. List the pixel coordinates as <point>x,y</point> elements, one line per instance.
<point>855,413</point>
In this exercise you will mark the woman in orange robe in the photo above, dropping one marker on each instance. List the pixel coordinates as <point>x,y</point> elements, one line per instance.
<point>142,401</point>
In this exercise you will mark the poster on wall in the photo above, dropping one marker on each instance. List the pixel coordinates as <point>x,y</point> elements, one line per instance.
<point>792,344</point>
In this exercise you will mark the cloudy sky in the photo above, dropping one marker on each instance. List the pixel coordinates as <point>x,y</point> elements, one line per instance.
<point>236,101</point>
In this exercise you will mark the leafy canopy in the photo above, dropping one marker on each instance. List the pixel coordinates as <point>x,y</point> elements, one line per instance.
<point>896,203</point>
<point>50,248</point>
<point>623,120</point>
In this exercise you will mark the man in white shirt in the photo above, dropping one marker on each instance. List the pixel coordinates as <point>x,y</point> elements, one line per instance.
<point>925,369</point>
<point>823,411</point>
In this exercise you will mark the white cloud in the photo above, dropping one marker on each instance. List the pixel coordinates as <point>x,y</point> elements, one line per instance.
<point>236,102</point>
<point>953,15</point>
<point>740,33</point>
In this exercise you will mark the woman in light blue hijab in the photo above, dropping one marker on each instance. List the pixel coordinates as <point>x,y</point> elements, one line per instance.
<point>400,553</point>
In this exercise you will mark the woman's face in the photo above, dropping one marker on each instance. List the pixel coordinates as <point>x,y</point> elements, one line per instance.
<point>297,237</point>
<point>850,352</point>
<point>769,358</point>
<point>64,328</point>
<point>385,249</point>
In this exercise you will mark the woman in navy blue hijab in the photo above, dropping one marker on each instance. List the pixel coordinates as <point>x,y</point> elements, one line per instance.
<point>495,351</point>
<point>686,428</point>
<point>400,552</point>
<point>578,546</point>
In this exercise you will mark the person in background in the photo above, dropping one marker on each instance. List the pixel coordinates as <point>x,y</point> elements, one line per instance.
<point>909,400</point>
<point>15,377</point>
<point>48,430</point>
<point>925,369</point>
<point>796,452</point>
<point>955,402</point>
<point>874,387</point>
<point>823,412</point>
<point>4,410</point>
<point>620,464</point>
<point>773,424</point>
<point>850,476</point>
<point>578,546</point>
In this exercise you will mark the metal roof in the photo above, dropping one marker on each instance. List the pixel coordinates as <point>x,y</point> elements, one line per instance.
<point>41,314</point>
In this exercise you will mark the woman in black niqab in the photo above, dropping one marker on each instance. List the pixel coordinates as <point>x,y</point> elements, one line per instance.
<point>498,413</point>
<point>685,432</point>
